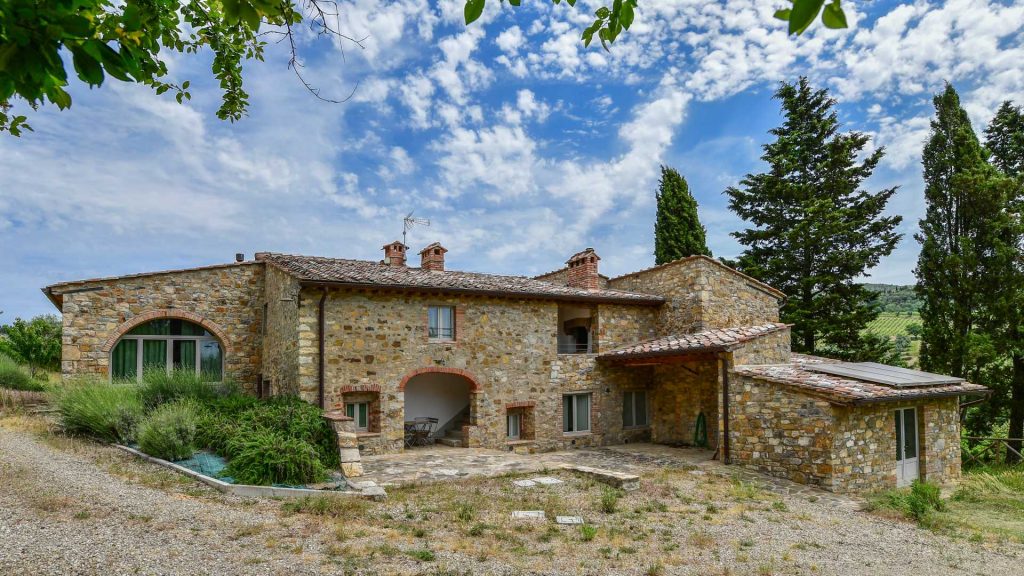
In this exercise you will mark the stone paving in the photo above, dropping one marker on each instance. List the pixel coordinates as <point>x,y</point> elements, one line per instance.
<point>442,463</point>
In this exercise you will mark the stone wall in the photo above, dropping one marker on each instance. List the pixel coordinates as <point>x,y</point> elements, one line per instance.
<point>680,393</point>
<point>702,294</point>
<point>865,444</point>
<point>228,297</point>
<point>780,432</point>
<point>507,346</point>
<point>772,348</point>
<point>620,325</point>
<point>281,333</point>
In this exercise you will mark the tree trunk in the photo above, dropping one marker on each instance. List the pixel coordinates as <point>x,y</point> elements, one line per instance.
<point>1016,408</point>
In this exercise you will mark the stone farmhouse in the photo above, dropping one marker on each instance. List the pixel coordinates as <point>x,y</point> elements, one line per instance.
<point>686,353</point>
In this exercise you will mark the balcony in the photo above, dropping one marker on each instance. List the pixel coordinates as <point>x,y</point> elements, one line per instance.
<point>569,345</point>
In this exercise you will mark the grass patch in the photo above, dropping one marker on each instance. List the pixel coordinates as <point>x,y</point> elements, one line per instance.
<point>333,506</point>
<point>15,377</point>
<point>109,411</point>
<point>988,504</point>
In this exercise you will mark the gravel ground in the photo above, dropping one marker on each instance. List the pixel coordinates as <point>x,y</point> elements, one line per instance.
<point>73,507</point>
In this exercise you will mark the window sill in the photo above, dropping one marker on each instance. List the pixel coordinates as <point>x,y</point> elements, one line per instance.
<point>631,428</point>
<point>365,434</point>
<point>519,442</point>
<point>577,434</point>
<point>441,341</point>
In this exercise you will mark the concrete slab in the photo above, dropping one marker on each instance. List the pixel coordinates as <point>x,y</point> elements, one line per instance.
<point>546,480</point>
<point>524,483</point>
<point>528,515</point>
<point>569,520</point>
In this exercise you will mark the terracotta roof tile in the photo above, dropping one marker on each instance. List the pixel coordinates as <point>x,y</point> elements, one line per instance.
<point>842,390</point>
<point>707,341</point>
<point>365,273</point>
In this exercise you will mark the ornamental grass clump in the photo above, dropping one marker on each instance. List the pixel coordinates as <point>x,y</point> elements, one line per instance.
<point>160,387</point>
<point>294,418</point>
<point>109,411</point>
<point>169,431</point>
<point>15,377</point>
<point>265,457</point>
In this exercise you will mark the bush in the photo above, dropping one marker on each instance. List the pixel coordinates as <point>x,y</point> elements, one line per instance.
<point>294,418</point>
<point>159,387</point>
<point>14,377</point>
<point>169,432</point>
<point>265,457</point>
<point>918,503</point>
<point>107,411</point>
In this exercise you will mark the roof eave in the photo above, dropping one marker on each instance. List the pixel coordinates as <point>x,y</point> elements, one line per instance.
<point>655,301</point>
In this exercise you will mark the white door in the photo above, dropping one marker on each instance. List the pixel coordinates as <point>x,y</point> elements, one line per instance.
<point>907,468</point>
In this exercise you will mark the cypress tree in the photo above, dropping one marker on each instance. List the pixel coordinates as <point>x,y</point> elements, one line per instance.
<point>814,229</point>
<point>1004,138</point>
<point>964,222</point>
<point>678,232</point>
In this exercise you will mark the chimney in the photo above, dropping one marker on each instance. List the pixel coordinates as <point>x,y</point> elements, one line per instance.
<point>432,257</point>
<point>394,254</point>
<point>583,270</point>
<point>239,257</point>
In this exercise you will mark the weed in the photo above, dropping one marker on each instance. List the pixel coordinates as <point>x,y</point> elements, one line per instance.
<point>587,532</point>
<point>477,529</point>
<point>332,506</point>
<point>656,569</point>
<point>780,506</point>
<point>465,511</point>
<point>82,515</point>
<point>610,500</point>
<point>701,539</point>
<point>423,555</point>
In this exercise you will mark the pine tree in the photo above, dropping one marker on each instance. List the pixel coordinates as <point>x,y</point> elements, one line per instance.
<point>815,229</point>
<point>678,232</point>
<point>1005,140</point>
<point>963,225</point>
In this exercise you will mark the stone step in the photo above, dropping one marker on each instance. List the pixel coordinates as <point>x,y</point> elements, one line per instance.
<point>454,442</point>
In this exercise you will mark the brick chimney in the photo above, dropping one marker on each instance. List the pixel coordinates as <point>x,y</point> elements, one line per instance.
<point>394,254</point>
<point>432,257</point>
<point>583,270</point>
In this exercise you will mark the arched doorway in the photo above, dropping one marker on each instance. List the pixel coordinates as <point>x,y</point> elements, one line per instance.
<point>167,344</point>
<point>442,394</point>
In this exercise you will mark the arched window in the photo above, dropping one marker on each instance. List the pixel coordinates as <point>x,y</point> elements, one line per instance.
<point>167,344</point>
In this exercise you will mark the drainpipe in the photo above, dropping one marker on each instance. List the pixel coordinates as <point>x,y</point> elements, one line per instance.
<point>725,411</point>
<point>320,335</point>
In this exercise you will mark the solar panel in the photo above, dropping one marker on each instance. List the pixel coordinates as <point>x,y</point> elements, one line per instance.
<point>883,374</point>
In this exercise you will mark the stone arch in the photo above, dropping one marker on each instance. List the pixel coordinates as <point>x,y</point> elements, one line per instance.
<point>140,319</point>
<point>474,384</point>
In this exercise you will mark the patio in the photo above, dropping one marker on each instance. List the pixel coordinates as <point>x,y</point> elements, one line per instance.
<point>440,463</point>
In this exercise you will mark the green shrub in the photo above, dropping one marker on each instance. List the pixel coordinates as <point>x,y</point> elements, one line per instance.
<point>266,457</point>
<point>169,431</point>
<point>294,418</point>
<point>918,502</point>
<point>160,387</point>
<point>587,532</point>
<point>105,410</point>
<point>14,377</point>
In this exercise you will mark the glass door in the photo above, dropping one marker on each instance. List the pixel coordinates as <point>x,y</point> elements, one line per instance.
<point>907,463</point>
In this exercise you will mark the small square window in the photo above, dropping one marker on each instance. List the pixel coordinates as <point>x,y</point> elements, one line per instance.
<point>515,425</point>
<point>634,409</point>
<point>441,322</point>
<point>576,413</point>
<point>359,411</point>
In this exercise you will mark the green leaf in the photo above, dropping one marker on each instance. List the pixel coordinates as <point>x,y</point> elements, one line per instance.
<point>88,68</point>
<point>833,16</point>
<point>474,8</point>
<point>603,12</point>
<point>76,25</point>
<point>782,14</point>
<point>626,15</point>
<point>803,14</point>
<point>58,96</point>
<point>249,15</point>
<point>515,2</point>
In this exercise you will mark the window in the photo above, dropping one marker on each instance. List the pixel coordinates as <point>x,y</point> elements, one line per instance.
<point>441,322</point>
<point>167,344</point>
<point>634,409</point>
<point>576,413</point>
<point>515,425</point>
<point>359,411</point>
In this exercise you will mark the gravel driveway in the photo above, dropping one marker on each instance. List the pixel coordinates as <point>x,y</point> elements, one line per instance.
<point>72,507</point>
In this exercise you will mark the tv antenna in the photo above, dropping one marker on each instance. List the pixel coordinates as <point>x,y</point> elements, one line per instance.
<point>409,221</point>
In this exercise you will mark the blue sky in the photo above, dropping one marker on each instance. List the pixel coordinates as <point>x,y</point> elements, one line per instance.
<point>520,145</point>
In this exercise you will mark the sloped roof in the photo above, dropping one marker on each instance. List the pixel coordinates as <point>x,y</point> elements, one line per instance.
<point>840,390</point>
<point>363,273</point>
<point>716,340</point>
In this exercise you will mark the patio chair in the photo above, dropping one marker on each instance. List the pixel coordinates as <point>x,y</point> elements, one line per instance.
<point>410,434</point>
<point>423,430</point>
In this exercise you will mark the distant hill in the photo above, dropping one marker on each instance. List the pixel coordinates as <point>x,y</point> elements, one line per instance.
<point>895,298</point>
